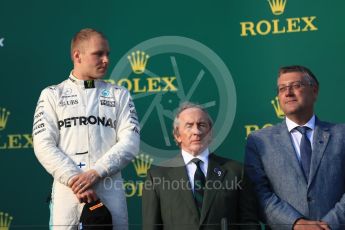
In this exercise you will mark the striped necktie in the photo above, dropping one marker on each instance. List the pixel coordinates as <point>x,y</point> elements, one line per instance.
<point>199,184</point>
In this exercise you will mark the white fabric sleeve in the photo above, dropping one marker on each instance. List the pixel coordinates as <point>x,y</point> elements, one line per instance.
<point>128,138</point>
<point>46,138</point>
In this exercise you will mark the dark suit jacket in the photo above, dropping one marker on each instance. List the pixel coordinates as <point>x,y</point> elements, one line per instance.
<point>284,193</point>
<point>168,201</point>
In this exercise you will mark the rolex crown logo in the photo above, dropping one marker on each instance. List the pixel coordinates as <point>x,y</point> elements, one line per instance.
<point>4,114</point>
<point>142,163</point>
<point>277,6</point>
<point>5,221</point>
<point>277,109</point>
<point>138,61</point>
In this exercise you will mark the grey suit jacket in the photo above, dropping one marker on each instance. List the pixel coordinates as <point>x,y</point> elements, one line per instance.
<point>283,192</point>
<point>168,202</point>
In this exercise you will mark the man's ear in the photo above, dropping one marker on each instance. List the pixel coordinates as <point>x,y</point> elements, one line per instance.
<point>177,137</point>
<point>316,91</point>
<point>76,56</point>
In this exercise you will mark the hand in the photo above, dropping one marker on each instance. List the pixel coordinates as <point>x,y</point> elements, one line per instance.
<point>88,196</point>
<point>83,181</point>
<point>303,224</point>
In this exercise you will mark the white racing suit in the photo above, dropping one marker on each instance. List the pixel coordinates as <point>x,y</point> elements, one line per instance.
<point>81,125</point>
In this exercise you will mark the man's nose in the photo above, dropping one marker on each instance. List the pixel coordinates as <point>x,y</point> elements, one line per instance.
<point>289,91</point>
<point>105,59</point>
<point>196,130</point>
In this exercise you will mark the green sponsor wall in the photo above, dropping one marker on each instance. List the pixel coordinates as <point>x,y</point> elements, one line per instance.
<point>223,54</point>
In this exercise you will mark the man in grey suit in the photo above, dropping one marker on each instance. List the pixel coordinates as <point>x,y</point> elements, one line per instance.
<point>298,166</point>
<point>196,189</point>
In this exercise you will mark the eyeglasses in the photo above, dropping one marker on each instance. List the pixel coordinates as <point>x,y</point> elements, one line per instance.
<point>296,85</point>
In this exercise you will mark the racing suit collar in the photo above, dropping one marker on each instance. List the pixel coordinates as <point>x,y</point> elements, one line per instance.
<point>86,84</point>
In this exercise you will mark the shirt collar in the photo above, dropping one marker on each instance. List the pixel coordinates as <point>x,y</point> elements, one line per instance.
<point>291,125</point>
<point>82,83</point>
<point>187,157</point>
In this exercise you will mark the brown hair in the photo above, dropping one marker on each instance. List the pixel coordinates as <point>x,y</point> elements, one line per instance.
<point>83,35</point>
<point>301,69</point>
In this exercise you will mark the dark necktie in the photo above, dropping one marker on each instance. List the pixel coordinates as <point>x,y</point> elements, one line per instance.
<point>199,184</point>
<point>305,150</point>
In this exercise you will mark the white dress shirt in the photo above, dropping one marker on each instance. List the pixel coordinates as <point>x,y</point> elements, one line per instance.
<point>297,136</point>
<point>191,167</point>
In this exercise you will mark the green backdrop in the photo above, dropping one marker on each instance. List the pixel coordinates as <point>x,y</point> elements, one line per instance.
<point>222,54</point>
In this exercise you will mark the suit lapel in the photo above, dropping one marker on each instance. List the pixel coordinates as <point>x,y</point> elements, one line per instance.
<point>287,150</point>
<point>320,141</point>
<point>215,173</point>
<point>179,172</point>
